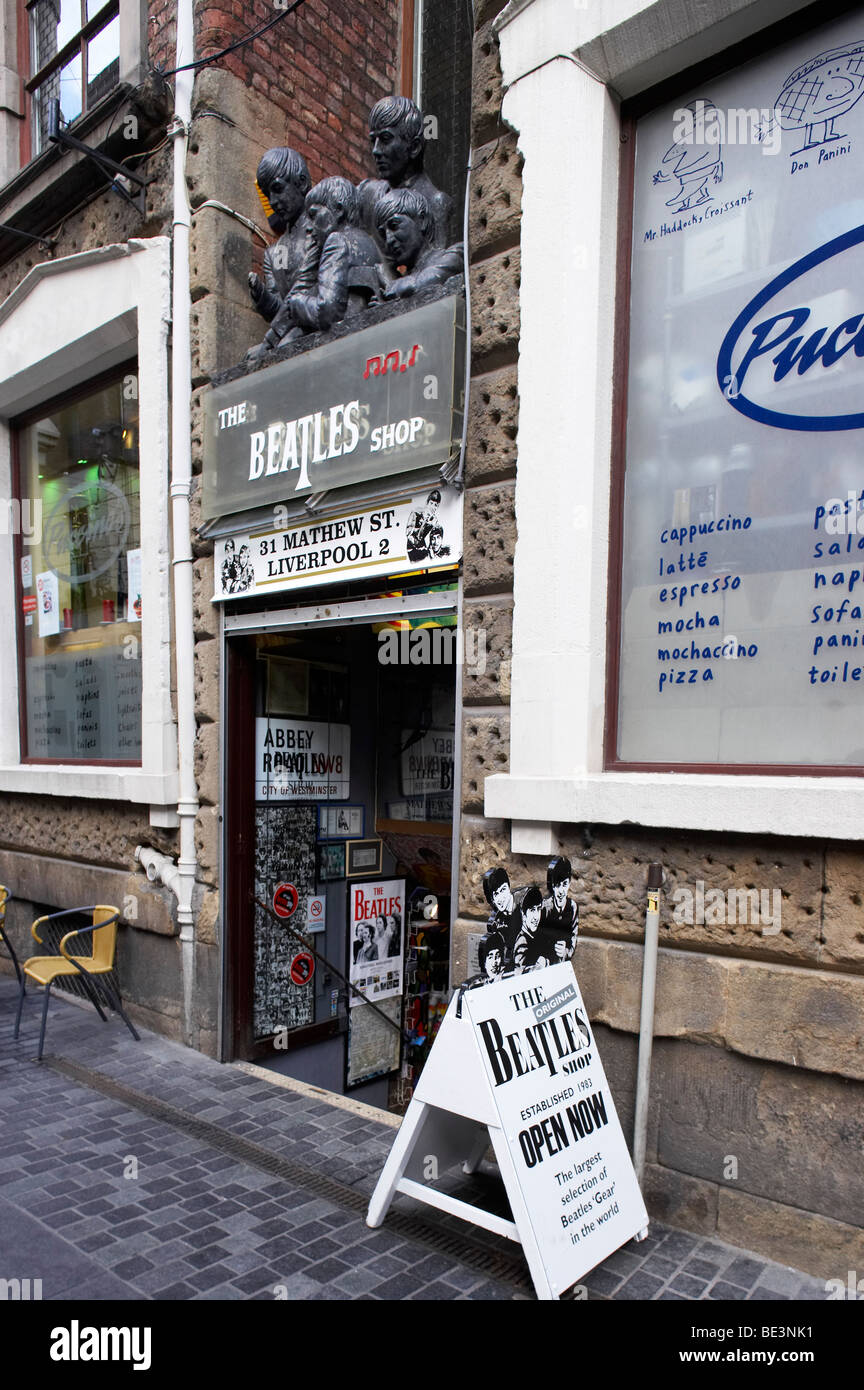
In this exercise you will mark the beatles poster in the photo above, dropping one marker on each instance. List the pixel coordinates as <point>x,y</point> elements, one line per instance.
<point>558,1117</point>
<point>376,916</point>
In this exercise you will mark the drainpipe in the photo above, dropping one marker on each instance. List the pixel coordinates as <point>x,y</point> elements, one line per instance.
<point>181,481</point>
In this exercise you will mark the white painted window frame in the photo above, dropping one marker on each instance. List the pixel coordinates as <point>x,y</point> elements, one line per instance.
<point>66,322</point>
<point>566,64</point>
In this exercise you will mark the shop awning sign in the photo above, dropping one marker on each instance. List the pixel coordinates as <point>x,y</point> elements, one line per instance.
<point>516,1063</point>
<point>418,533</point>
<point>372,404</point>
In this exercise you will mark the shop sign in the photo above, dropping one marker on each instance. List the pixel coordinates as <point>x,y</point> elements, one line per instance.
<point>382,401</point>
<point>301,760</point>
<point>418,533</point>
<point>518,1062</point>
<point>558,1117</point>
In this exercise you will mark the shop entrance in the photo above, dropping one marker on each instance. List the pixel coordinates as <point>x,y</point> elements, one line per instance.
<point>340,764</point>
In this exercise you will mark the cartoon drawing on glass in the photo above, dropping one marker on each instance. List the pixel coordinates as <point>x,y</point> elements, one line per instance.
<point>694,160</point>
<point>819,92</point>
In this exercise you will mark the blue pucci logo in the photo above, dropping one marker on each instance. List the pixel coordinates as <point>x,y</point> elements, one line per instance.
<point>779,337</point>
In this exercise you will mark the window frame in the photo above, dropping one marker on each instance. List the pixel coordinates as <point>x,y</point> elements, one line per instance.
<point>16,425</point>
<point>65,324</point>
<point>632,111</point>
<point>79,43</point>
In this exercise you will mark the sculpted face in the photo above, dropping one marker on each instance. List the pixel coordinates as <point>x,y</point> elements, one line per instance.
<point>403,239</point>
<point>286,199</point>
<point>392,152</point>
<point>322,221</point>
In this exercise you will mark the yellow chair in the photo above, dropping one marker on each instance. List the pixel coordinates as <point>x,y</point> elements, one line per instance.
<point>5,897</point>
<point>94,971</point>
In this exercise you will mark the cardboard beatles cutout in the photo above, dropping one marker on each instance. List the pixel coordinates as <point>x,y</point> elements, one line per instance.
<point>515,1064</point>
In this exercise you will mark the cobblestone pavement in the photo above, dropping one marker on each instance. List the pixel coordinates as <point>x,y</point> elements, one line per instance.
<point>146,1171</point>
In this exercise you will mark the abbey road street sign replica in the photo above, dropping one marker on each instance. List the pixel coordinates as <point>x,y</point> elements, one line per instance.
<point>515,1063</point>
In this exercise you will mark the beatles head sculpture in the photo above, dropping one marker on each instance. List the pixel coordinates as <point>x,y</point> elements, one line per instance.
<point>342,248</point>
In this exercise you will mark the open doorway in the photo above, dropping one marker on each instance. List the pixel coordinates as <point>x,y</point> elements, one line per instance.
<point>339,803</point>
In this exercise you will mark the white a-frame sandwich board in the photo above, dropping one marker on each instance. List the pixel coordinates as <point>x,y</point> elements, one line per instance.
<point>517,1065</point>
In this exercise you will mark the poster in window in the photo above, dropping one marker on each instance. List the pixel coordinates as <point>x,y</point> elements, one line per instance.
<point>373,1044</point>
<point>376,915</point>
<point>48,603</point>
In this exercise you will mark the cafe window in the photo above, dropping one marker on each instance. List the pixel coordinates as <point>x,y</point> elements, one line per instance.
<point>740,542</point>
<point>79,572</point>
<point>74,57</point>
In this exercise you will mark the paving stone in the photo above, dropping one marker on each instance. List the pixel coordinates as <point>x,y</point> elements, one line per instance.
<point>358,1281</point>
<point>297,1286</point>
<point>640,1286</point>
<point>780,1280</point>
<point>701,1269</point>
<point>325,1270</point>
<point>722,1290</point>
<point>685,1283</point>
<point>744,1271</point>
<point>603,1281</point>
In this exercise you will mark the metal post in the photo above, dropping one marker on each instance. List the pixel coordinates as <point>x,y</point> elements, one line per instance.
<point>646,1018</point>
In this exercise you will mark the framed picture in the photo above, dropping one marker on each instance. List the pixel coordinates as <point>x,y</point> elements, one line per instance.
<point>331,861</point>
<point>341,822</point>
<point>287,686</point>
<point>364,857</point>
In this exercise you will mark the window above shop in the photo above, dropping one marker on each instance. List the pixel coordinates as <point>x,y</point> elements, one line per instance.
<point>74,48</point>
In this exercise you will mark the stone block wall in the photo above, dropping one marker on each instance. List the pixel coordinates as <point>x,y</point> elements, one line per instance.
<point>756,1130</point>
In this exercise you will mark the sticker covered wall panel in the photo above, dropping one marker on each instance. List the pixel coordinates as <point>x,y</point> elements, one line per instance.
<point>284,853</point>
